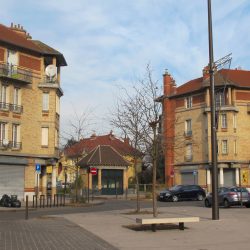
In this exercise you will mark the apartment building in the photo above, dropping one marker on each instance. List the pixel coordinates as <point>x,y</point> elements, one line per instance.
<point>187,131</point>
<point>30,95</point>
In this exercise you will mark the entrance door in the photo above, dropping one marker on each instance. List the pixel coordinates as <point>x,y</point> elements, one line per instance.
<point>189,178</point>
<point>112,182</point>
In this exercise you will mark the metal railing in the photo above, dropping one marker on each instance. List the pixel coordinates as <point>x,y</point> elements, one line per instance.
<point>15,72</point>
<point>11,107</point>
<point>10,144</point>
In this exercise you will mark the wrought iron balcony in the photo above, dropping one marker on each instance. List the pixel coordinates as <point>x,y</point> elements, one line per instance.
<point>5,144</point>
<point>10,71</point>
<point>188,133</point>
<point>50,82</point>
<point>188,158</point>
<point>4,106</point>
<point>11,107</point>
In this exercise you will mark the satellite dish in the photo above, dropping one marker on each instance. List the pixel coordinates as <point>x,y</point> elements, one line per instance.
<point>51,70</point>
<point>5,142</point>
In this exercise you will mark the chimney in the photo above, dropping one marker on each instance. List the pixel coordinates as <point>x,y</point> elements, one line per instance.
<point>20,30</point>
<point>205,73</point>
<point>126,140</point>
<point>169,85</point>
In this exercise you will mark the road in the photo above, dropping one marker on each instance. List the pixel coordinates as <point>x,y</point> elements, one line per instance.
<point>107,205</point>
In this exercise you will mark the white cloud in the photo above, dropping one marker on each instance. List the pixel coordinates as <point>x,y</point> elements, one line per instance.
<point>110,42</point>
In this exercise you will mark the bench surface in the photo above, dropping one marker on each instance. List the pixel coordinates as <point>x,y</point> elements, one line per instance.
<point>167,220</point>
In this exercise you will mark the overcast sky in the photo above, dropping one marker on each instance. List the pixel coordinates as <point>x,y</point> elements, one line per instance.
<point>109,42</point>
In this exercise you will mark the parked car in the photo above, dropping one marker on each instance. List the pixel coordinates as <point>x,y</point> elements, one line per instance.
<point>10,201</point>
<point>230,196</point>
<point>182,192</point>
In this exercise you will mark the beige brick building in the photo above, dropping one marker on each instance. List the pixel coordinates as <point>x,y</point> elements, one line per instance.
<point>187,133</point>
<point>29,112</point>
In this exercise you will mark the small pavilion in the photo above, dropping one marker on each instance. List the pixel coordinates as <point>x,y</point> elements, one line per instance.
<point>111,177</point>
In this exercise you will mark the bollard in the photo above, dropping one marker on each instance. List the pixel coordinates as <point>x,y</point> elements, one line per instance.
<point>34,199</point>
<point>27,208</point>
<point>57,200</point>
<point>64,200</point>
<point>61,199</point>
<point>54,200</point>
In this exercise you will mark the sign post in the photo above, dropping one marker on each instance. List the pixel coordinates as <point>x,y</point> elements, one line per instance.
<point>38,171</point>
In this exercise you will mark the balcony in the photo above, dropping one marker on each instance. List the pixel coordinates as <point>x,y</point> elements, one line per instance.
<point>14,72</point>
<point>11,107</point>
<point>188,133</point>
<point>222,108</point>
<point>188,158</point>
<point>50,82</point>
<point>5,144</point>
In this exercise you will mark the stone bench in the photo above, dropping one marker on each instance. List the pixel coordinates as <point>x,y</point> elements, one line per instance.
<point>155,221</point>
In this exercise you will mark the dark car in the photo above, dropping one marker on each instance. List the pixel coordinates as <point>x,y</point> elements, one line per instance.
<point>182,192</point>
<point>230,196</point>
<point>10,201</point>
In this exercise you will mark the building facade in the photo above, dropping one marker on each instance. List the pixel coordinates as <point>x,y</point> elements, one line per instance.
<point>187,131</point>
<point>29,113</point>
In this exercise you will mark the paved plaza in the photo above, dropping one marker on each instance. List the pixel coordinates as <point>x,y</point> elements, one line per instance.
<point>111,229</point>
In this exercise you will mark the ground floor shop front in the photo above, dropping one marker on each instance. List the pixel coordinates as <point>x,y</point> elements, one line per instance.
<point>20,176</point>
<point>108,181</point>
<point>228,175</point>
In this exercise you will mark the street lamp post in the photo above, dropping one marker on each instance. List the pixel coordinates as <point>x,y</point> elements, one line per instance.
<point>153,125</point>
<point>215,205</point>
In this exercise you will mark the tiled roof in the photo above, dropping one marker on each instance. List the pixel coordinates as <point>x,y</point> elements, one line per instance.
<point>9,36</point>
<point>103,155</point>
<point>237,77</point>
<point>88,144</point>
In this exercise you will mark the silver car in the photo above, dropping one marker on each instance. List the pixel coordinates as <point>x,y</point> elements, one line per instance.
<point>230,196</point>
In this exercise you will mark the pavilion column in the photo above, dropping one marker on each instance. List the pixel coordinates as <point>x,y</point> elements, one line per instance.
<point>237,176</point>
<point>44,181</point>
<point>125,180</point>
<point>221,177</point>
<point>208,179</point>
<point>53,181</point>
<point>99,179</point>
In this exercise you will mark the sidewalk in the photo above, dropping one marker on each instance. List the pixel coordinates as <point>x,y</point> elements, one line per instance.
<point>230,232</point>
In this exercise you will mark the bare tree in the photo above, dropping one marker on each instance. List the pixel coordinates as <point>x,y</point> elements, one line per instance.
<point>134,114</point>
<point>77,129</point>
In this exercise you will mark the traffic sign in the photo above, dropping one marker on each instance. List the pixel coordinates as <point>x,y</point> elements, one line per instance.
<point>194,172</point>
<point>93,171</point>
<point>38,168</point>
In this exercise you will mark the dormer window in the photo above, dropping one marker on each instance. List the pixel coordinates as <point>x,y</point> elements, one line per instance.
<point>189,102</point>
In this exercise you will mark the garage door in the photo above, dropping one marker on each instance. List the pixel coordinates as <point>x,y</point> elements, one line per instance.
<point>229,177</point>
<point>12,180</point>
<point>189,178</point>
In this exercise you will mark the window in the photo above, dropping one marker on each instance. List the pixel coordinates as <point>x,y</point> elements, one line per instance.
<point>220,98</point>
<point>3,133</point>
<point>189,102</point>
<point>189,152</point>
<point>56,138</point>
<point>17,100</point>
<point>16,136</point>
<point>223,120</point>
<point>4,97</point>
<point>234,121</point>
<point>224,147</point>
<point>45,101</point>
<point>235,147</point>
<point>188,127</point>
<point>57,104</point>
<point>45,137</point>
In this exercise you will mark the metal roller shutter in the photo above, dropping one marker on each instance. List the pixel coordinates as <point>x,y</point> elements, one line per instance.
<point>12,180</point>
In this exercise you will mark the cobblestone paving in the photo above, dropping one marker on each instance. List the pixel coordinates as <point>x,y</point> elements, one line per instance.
<point>48,233</point>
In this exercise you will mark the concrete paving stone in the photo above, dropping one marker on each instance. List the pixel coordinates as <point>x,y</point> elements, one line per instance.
<point>48,233</point>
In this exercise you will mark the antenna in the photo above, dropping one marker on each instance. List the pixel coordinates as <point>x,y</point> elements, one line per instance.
<point>51,71</point>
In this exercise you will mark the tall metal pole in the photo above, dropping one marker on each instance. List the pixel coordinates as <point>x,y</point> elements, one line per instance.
<point>215,205</point>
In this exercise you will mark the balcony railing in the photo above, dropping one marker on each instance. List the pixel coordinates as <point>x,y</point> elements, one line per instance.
<point>188,158</point>
<point>5,144</point>
<point>50,82</point>
<point>188,133</point>
<point>15,72</point>
<point>4,106</point>
<point>11,107</point>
